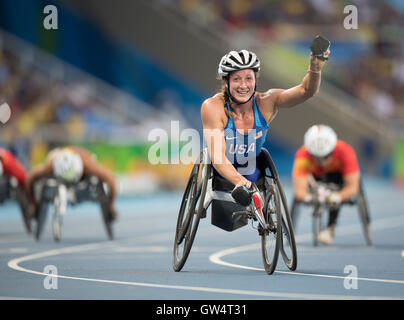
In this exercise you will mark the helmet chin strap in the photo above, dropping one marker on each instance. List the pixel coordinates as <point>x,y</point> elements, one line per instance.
<point>238,102</point>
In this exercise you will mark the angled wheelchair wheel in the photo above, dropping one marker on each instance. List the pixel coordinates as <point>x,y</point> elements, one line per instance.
<point>41,214</point>
<point>364,215</point>
<point>288,244</point>
<point>57,226</point>
<point>190,212</point>
<point>24,207</point>
<point>106,214</point>
<point>271,238</point>
<point>294,212</point>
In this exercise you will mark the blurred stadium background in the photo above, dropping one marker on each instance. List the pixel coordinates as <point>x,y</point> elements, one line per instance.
<point>114,70</point>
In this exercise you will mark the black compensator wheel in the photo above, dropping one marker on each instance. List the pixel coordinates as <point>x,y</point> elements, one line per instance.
<point>106,213</point>
<point>272,236</point>
<point>57,221</point>
<point>23,203</point>
<point>294,212</point>
<point>48,194</point>
<point>316,223</point>
<point>364,215</point>
<point>41,214</point>
<point>190,212</point>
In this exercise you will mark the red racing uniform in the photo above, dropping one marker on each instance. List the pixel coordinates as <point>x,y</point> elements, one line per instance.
<point>12,167</point>
<point>343,162</point>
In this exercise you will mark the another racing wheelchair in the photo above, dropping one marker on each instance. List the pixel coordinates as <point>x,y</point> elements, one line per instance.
<point>318,206</point>
<point>204,189</point>
<point>59,194</point>
<point>9,190</point>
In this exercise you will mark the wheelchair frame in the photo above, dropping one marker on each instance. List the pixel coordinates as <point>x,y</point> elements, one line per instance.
<point>61,194</point>
<point>319,209</point>
<point>200,195</point>
<point>10,190</point>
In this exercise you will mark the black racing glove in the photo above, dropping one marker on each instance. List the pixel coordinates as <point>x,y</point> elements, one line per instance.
<point>319,46</point>
<point>242,196</point>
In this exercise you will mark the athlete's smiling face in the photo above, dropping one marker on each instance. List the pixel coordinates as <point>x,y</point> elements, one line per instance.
<point>242,84</point>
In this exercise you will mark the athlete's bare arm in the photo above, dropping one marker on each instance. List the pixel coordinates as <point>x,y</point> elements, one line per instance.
<point>286,98</point>
<point>214,120</point>
<point>351,186</point>
<point>301,187</point>
<point>93,168</point>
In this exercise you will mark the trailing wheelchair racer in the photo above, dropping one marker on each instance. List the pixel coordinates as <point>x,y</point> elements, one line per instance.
<point>12,184</point>
<point>318,205</point>
<point>10,191</point>
<point>58,194</point>
<point>326,175</point>
<point>70,175</point>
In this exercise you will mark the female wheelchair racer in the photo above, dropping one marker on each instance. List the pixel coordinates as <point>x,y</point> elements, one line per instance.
<point>235,123</point>
<point>229,212</point>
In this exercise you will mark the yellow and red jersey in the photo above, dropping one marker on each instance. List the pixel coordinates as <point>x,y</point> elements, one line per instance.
<point>343,160</point>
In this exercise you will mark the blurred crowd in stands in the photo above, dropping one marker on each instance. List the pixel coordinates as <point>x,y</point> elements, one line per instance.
<point>49,110</point>
<point>376,76</point>
<point>45,110</point>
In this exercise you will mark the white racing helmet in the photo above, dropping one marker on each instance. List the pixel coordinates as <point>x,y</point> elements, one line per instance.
<point>320,140</point>
<point>67,165</point>
<point>234,61</point>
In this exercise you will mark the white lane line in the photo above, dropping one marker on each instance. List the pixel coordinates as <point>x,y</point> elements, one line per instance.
<point>378,224</point>
<point>14,264</point>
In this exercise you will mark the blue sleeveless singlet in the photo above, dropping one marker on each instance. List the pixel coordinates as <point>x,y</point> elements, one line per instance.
<point>242,149</point>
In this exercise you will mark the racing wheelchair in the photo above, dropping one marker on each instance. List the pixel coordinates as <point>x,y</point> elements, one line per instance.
<point>205,189</point>
<point>9,190</point>
<point>319,207</point>
<point>59,194</point>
